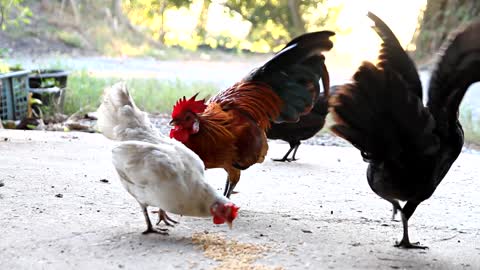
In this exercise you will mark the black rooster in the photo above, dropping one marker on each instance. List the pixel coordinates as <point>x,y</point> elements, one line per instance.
<point>308,125</point>
<point>409,147</point>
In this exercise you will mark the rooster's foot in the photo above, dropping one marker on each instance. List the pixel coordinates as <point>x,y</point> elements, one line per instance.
<point>407,245</point>
<point>284,159</point>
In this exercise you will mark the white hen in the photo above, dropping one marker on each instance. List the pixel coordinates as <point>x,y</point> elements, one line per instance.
<point>154,169</point>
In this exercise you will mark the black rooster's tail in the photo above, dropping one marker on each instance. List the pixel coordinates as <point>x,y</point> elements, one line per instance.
<point>380,117</point>
<point>294,74</point>
<point>395,56</point>
<point>458,68</point>
<point>379,113</point>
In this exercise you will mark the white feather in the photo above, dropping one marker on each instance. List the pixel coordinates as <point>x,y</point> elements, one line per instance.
<point>154,169</point>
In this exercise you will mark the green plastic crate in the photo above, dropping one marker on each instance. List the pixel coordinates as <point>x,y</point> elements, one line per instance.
<point>14,95</point>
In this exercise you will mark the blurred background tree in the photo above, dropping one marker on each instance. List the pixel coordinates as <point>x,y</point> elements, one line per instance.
<point>13,12</point>
<point>144,27</point>
<point>275,22</point>
<point>437,20</point>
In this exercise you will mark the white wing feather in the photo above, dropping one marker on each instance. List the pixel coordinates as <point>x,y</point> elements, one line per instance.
<point>156,170</point>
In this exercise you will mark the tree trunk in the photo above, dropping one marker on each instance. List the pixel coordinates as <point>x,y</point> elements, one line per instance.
<point>44,5</point>
<point>76,14</point>
<point>117,12</point>
<point>201,28</point>
<point>439,19</point>
<point>297,21</point>
<point>163,8</point>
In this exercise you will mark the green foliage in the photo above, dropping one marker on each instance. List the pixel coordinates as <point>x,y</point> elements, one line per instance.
<point>4,52</point>
<point>4,67</point>
<point>70,38</point>
<point>437,21</point>
<point>13,12</point>
<point>275,22</point>
<point>150,13</point>
<point>149,27</point>
<point>152,95</point>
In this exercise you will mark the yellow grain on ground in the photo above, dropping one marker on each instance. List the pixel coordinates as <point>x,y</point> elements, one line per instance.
<point>231,254</point>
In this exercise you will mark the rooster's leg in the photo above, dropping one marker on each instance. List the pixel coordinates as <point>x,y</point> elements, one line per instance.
<point>162,216</point>
<point>396,208</point>
<point>232,180</point>
<point>227,187</point>
<point>295,152</point>
<point>285,158</point>
<point>150,228</point>
<point>405,243</point>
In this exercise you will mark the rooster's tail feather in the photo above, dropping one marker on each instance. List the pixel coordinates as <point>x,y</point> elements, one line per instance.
<point>379,117</point>
<point>294,74</point>
<point>458,68</point>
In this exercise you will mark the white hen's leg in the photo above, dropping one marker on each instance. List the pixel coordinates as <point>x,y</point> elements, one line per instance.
<point>162,216</point>
<point>150,228</point>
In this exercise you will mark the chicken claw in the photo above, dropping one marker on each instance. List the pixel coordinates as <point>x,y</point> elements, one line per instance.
<point>156,230</point>
<point>405,243</point>
<point>285,158</point>
<point>150,228</point>
<point>162,216</point>
<point>408,245</point>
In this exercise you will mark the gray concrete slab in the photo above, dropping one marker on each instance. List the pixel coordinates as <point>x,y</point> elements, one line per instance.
<point>317,213</point>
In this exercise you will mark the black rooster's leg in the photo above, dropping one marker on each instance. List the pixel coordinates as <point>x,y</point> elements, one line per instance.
<point>406,213</point>
<point>396,208</point>
<point>150,228</point>
<point>295,152</point>
<point>162,216</point>
<point>285,158</point>
<point>405,243</point>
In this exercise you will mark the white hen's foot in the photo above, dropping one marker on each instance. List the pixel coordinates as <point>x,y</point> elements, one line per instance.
<point>162,216</point>
<point>156,230</point>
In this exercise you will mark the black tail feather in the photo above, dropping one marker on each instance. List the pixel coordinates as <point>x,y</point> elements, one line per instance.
<point>457,69</point>
<point>294,74</point>
<point>380,117</point>
<point>300,49</point>
<point>393,55</point>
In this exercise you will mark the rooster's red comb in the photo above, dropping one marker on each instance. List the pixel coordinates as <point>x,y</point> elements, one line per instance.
<point>183,105</point>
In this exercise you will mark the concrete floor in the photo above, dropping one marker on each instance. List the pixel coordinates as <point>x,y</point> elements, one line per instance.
<point>317,213</point>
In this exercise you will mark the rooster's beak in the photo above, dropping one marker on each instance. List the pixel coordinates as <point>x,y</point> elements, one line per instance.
<point>230,225</point>
<point>172,123</point>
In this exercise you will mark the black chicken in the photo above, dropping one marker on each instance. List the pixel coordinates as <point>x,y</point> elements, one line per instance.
<point>409,147</point>
<point>308,125</point>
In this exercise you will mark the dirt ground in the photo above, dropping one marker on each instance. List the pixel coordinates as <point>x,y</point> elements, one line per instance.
<point>317,213</point>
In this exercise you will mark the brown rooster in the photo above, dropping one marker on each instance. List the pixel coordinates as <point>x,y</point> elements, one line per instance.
<point>229,130</point>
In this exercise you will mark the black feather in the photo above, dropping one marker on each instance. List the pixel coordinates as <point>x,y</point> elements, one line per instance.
<point>458,67</point>
<point>393,54</point>
<point>409,147</point>
<point>307,126</point>
<point>294,74</point>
